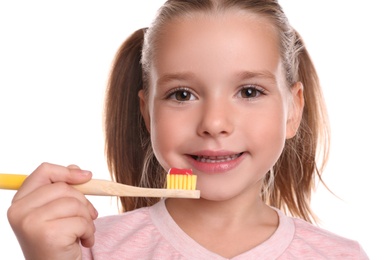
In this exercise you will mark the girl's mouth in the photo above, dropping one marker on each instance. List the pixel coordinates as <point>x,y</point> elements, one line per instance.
<point>215,159</point>
<point>215,162</point>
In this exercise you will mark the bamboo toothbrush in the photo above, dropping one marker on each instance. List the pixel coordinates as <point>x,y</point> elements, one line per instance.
<point>110,188</point>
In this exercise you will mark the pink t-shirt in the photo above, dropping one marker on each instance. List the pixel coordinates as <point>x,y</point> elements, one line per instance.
<point>151,233</point>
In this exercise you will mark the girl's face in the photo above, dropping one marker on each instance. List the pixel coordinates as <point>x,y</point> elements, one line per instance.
<point>218,102</point>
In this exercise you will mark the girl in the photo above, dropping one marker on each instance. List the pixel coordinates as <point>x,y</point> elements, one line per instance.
<point>228,89</point>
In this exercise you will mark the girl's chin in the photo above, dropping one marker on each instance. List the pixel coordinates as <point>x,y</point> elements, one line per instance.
<point>217,195</point>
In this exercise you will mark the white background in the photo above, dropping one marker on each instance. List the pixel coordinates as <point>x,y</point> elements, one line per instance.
<point>54,62</point>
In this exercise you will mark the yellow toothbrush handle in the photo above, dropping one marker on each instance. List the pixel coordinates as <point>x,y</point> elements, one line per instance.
<point>11,181</point>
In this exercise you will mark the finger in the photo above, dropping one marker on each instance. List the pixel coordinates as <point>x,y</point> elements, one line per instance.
<point>63,235</point>
<point>57,209</point>
<point>48,173</point>
<point>52,193</point>
<point>73,166</point>
<point>77,228</point>
<point>62,208</point>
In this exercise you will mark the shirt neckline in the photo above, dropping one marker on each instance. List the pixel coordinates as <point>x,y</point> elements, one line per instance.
<point>189,248</point>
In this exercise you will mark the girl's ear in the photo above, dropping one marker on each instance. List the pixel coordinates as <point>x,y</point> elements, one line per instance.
<point>143,105</point>
<point>295,110</point>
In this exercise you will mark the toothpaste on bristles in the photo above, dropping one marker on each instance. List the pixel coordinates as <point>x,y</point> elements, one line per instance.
<point>181,179</point>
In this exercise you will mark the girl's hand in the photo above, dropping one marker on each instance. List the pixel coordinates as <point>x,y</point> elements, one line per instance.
<point>49,217</point>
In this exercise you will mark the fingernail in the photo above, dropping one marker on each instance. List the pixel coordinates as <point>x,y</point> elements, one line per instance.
<point>83,172</point>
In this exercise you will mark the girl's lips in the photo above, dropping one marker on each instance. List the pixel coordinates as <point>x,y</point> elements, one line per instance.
<point>214,162</point>
<point>216,159</point>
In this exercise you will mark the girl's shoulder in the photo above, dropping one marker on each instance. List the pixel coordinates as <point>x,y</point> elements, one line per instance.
<point>305,231</point>
<point>319,242</point>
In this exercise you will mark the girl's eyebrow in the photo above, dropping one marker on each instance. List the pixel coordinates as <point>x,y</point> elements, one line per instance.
<point>175,76</point>
<point>264,74</point>
<point>242,75</point>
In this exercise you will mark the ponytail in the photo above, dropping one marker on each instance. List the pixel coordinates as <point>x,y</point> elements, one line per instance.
<point>127,139</point>
<point>295,172</point>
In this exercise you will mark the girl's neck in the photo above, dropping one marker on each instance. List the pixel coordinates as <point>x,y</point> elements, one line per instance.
<point>216,225</point>
<point>228,212</point>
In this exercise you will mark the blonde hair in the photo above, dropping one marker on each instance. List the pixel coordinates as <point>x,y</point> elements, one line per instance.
<point>130,157</point>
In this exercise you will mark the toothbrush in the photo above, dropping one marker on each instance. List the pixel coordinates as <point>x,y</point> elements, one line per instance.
<point>110,188</point>
<point>181,179</point>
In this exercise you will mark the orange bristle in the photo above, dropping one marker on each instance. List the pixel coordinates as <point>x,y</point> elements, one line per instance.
<point>181,179</point>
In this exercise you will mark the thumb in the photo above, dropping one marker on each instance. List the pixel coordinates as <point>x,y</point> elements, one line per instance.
<point>48,173</point>
<point>77,175</point>
<point>73,166</point>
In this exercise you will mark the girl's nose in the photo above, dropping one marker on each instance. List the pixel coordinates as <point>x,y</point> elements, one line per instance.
<point>216,120</point>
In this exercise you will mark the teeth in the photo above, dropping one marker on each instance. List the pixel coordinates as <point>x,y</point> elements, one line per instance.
<point>216,159</point>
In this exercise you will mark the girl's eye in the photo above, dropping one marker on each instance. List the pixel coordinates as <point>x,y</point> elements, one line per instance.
<point>181,95</point>
<point>250,92</point>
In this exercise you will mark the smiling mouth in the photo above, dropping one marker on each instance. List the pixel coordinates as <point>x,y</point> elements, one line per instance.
<point>215,159</point>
